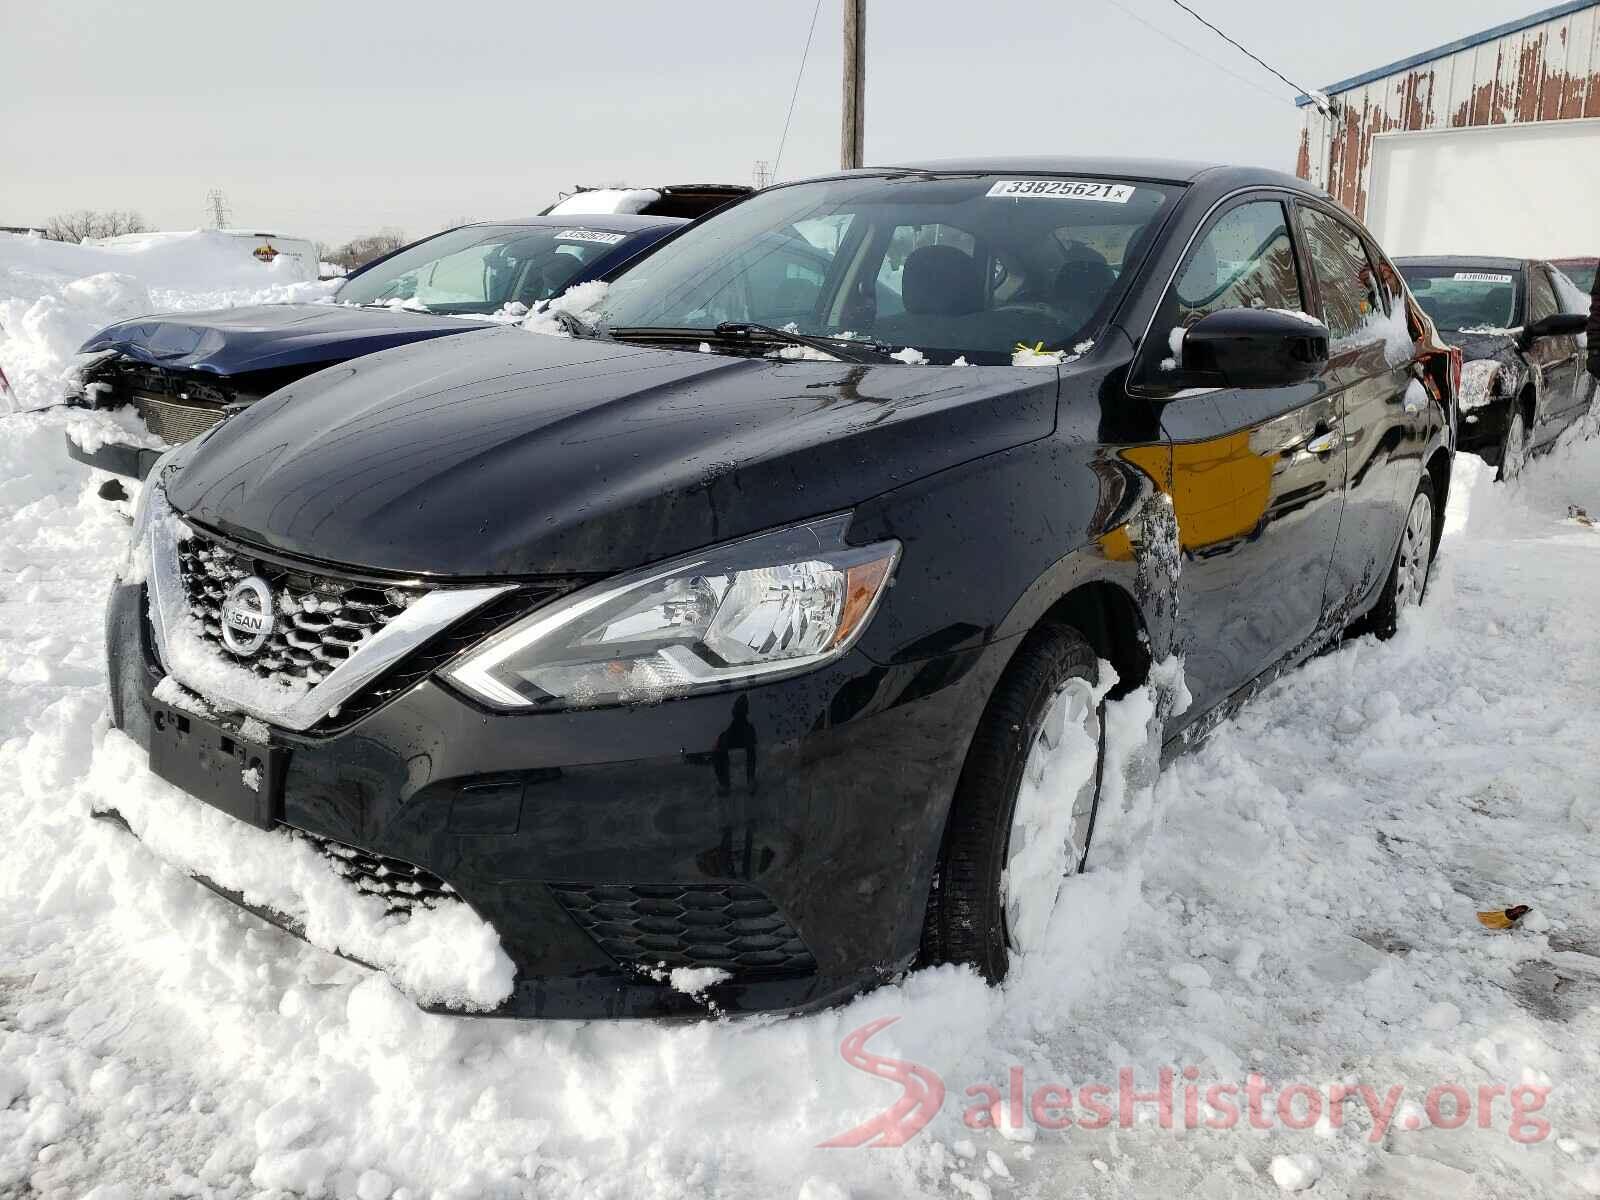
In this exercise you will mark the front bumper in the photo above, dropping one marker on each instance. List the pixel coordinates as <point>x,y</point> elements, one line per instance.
<point>1482,430</point>
<point>120,458</point>
<point>797,821</point>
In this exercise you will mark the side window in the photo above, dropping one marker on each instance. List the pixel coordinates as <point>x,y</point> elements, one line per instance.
<point>1349,286</point>
<point>1541,296</point>
<point>1245,260</point>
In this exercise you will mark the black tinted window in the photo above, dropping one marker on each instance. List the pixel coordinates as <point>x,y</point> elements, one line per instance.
<point>1245,260</point>
<point>1350,295</point>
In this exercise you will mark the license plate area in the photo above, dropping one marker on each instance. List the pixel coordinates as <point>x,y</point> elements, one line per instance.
<point>217,766</point>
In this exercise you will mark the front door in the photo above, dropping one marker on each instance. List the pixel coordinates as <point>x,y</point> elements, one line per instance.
<point>1257,473</point>
<point>1559,361</point>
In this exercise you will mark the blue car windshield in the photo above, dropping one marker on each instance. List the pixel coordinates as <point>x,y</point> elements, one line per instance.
<point>951,265</point>
<point>479,269</point>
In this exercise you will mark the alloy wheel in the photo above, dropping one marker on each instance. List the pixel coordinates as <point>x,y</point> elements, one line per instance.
<point>1416,552</point>
<point>1051,819</point>
<point>1514,455</point>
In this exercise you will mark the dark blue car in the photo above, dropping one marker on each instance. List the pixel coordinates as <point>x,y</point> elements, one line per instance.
<point>183,371</point>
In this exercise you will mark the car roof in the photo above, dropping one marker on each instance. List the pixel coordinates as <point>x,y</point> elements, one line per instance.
<point>601,222</point>
<point>1462,260</point>
<point>1160,170</point>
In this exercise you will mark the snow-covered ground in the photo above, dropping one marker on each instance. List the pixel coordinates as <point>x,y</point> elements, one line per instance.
<point>1293,901</point>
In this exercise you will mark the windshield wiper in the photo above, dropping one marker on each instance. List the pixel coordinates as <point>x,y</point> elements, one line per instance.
<point>748,333</point>
<point>848,349</point>
<point>574,324</point>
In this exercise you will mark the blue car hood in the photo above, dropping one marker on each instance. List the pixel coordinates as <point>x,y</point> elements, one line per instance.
<point>233,341</point>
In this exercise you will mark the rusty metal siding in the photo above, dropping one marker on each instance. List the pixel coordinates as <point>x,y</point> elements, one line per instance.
<point>1546,72</point>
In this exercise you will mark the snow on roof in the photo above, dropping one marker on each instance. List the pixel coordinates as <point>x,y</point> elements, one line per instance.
<point>596,201</point>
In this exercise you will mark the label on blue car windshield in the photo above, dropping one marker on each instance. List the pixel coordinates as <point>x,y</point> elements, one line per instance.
<point>589,235</point>
<point>1062,189</point>
<point>1482,277</point>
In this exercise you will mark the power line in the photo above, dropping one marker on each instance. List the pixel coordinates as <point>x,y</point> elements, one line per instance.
<point>1298,89</point>
<point>1184,46</point>
<point>800,74</point>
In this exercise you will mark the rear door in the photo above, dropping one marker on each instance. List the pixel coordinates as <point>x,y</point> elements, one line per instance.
<point>1383,409</point>
<point>1257,473</point>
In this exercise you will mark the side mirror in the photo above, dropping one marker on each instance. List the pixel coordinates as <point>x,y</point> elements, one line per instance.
<point>1557,325</point>
<point>1253,348</point>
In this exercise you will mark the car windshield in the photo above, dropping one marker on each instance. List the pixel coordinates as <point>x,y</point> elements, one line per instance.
<point>953,266</point>
<point>1465,298</point>
<point>481,268</point>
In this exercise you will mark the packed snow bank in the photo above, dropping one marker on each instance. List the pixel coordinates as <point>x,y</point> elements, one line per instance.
<point>443,955</point>
<point>54,295</point>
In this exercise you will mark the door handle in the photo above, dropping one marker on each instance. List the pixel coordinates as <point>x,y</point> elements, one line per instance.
<point>1325,443</point>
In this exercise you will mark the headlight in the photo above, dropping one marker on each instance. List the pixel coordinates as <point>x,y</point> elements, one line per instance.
<point>77,388</point>
<point>1477,383</point>
<point>770,605</point>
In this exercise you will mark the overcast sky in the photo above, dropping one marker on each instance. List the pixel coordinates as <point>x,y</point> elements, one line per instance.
<point>330,119</point>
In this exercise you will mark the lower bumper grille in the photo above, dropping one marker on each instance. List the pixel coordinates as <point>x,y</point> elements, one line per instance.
<point>726,925</point>
<point>177,423</point>
<point>404,886</point>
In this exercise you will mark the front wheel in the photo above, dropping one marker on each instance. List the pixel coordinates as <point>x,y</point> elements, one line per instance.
<point>1408,577</point>
<point>1514,447</point>
<point>1024,807</point>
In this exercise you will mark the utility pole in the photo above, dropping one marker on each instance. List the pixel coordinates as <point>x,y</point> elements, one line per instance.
<point>855,84</point>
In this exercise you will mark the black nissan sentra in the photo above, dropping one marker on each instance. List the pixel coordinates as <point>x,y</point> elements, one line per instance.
<point>748,625</point>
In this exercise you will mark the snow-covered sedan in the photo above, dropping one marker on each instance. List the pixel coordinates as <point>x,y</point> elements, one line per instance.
<point>1519,324</point>
<point>182,372</point>
<point>759,629</point>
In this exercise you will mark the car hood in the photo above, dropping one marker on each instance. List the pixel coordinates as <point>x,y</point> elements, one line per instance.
<point>1482,345</point>
<point>510,453</point>
<point>232,341</point>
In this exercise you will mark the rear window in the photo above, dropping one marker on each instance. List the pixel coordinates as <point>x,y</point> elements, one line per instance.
<point>1467,299</point>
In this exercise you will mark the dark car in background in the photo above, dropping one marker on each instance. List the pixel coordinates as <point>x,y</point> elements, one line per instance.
<point>1519,325</point>
<point>766,624</point>
<point>184,371</point>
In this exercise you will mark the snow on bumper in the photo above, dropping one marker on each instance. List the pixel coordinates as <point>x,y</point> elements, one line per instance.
<point>442,956</point>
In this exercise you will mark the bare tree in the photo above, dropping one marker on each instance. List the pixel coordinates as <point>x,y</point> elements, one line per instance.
<point>88,223</point>
<point>359,251</point>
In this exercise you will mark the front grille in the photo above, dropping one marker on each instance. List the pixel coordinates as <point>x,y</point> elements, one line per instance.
<point>404,886</point>
<point>729,925</point>
<point>177,423</point>
<point>319,620</point>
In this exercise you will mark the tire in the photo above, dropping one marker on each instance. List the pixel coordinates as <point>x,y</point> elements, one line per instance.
<point>1413,558</point>
<point>968,921</point>
<point>1513,446</point>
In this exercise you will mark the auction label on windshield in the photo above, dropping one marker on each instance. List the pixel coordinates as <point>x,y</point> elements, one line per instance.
<point>1062,189</point>
<point>1482,277</point>
<point>589,235</point>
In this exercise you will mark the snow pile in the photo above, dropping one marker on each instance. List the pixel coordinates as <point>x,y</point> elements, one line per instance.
<point>583,302</point>
<point>54,296</point>
<point>443,955</point>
